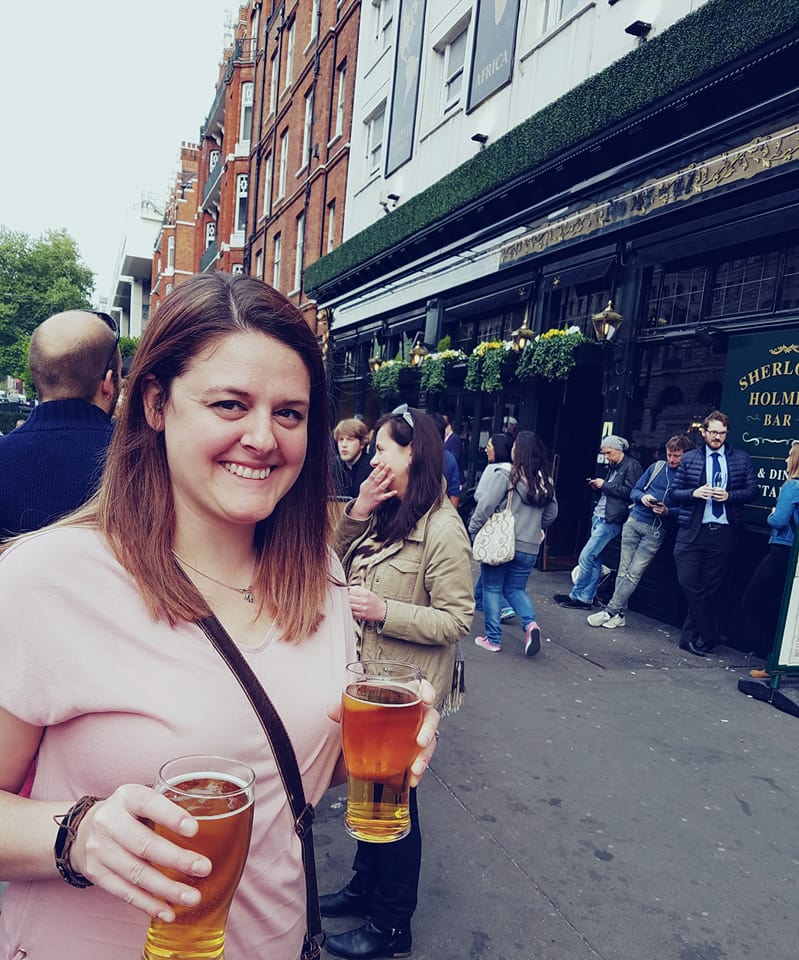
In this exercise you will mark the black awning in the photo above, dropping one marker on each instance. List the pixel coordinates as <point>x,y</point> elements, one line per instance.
<point>570,275</point>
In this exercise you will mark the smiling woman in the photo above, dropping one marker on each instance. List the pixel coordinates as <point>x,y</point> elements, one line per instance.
<point>213,503</point>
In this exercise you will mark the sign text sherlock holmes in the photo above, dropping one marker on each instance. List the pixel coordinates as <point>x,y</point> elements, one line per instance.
<point>761,398</point>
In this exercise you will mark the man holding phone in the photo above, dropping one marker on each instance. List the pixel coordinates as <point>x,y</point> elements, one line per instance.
<point>710,488</point>
<point>613,497</point>
<point>644,532</point>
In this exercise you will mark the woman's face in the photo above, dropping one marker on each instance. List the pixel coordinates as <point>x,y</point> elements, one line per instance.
<point>235,429</point>
<point>394,456</point>
<point>490,452</point>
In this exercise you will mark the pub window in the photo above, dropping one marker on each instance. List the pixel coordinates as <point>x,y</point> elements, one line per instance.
<point>581,303</point>
<point>745,285</point>
<point>676,384</point>
<point>350,361</point>
<point>675,296</point>
<point>574,305</point>
<point>499,326</point>
<point>789,296</point>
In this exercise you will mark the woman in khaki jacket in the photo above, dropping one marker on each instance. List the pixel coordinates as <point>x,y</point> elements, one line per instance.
<point>408,564</point>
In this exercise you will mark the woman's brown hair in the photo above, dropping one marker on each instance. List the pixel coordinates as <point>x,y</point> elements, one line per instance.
<point>396,518</point>
<point>134,508</point>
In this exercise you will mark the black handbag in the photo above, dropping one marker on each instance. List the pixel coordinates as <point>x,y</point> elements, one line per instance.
<point>286,762</point>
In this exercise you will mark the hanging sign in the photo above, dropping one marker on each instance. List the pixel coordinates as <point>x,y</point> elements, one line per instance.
<point>760,395</point>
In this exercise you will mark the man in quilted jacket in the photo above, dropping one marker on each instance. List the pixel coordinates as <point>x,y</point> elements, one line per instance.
<point>611,510</point>
<point>710,489</point>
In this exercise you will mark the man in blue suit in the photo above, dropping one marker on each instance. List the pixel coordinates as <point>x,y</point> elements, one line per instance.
<point>710,489</point>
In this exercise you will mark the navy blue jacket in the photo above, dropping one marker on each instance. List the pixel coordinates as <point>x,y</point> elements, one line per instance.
<point>741,486</point>
<point>51,464</point>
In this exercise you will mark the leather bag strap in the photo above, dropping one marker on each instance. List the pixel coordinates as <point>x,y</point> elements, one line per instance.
<point>286,761</point>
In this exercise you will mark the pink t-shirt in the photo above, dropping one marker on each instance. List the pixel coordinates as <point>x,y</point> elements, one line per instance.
<point>119,695</point>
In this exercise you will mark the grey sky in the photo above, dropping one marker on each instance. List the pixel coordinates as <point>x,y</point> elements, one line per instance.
<point>97,98</point>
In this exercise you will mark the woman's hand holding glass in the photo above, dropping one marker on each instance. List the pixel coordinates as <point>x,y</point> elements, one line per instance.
<point>428,734</point>
<point>426,738</point>
<point>115,849</point>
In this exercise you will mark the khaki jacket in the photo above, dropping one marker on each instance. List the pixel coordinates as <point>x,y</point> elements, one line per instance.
<point>426,580</point>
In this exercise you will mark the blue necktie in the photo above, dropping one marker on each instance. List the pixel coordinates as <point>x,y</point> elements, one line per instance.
<point>718,506</point>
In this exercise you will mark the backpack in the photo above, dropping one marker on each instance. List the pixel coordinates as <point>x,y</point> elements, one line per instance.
<point>466,505</point>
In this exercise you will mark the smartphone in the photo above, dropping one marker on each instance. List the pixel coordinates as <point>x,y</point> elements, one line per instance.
<point>658,503</point>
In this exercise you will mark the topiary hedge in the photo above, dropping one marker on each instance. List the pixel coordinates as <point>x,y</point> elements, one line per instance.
<point>699,44</point>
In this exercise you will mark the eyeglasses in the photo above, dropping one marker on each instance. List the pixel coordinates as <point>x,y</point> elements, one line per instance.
<point>403,411</point>
<point>109,321</point>
<point>716,433</point>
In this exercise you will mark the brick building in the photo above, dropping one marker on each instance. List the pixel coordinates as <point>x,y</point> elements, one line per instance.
<point>305,67</point>
<point>224,153</point>
<point>264,190</point>
<point>174,256</point>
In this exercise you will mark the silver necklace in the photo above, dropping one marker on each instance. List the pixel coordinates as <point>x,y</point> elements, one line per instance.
<point>246,592</point>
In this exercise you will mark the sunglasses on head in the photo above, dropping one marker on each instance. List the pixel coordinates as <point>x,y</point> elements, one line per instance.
<point>109,321</point>
<point>403,411</point>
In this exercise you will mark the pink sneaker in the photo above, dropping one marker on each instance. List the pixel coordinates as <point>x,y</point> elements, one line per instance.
<point>487,644</point>
<point>532,639</point>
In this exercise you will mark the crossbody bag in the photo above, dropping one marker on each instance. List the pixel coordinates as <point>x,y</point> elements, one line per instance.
<point>286,761</point>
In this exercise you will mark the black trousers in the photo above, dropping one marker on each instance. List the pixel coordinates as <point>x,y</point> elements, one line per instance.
<point>762,598</point>
<point>388,873</point>
<point>701,567</point>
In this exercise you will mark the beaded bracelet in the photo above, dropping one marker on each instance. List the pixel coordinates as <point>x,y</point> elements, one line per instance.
<point>68,824</point>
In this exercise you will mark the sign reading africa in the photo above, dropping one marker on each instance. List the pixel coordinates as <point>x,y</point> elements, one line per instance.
<point>761,398</point>
<point>494,44</point>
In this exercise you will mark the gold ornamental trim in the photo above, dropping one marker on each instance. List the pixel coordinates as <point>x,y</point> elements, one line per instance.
<point>760,155</point>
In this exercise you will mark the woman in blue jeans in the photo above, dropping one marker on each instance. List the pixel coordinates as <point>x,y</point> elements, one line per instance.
<point>498,454</point>
<point>534,508</point>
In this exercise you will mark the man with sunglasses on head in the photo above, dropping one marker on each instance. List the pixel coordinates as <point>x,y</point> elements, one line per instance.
<point>52,463</point>
<point>710,489</point>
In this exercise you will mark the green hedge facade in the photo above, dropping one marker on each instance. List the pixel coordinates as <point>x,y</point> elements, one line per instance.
<point>696,47</point>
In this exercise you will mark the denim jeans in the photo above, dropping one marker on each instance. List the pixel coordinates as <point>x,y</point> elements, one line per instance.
<point>640,542</point>
<point>590,564</point>
<point>508,580</point>
<point>478,594</point>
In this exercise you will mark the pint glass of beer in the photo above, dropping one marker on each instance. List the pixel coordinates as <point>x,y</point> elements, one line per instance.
<point>380,719</point>
<point>220,794</point>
